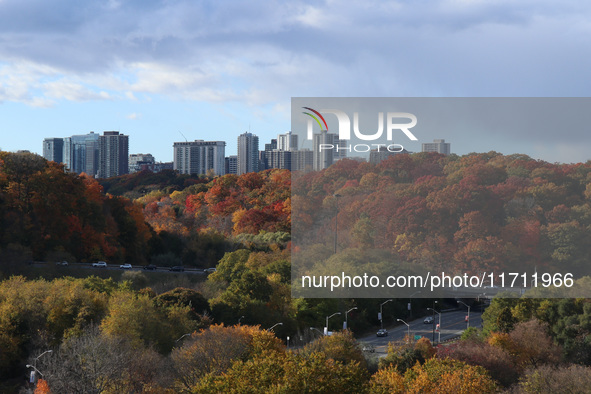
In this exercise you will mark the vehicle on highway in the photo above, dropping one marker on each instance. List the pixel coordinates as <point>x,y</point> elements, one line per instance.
<point>125,266</point>
<point>369,348</point>
<point>62,263</point>
<point>177,268</point>
<point>382,332</point>
<point>210,270</point>
<point>150,267</point>
<point>100,264</point>
<point>428,320</point>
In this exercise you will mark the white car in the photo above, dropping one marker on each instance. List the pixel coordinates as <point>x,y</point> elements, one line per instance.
<point>100,264</point>
<point>125,266</point>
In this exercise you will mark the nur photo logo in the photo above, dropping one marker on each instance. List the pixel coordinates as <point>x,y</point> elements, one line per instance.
<point>392,123</point>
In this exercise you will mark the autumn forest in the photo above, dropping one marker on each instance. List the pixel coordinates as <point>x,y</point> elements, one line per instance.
<point>157,332</point>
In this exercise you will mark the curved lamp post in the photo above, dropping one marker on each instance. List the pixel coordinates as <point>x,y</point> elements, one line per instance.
<point>184,335</point>
<point>274,325</point>
<point>34,366</point>
<point>346,317</point>
<point>407,326</point>
<point>314,328</point>
<point>328,317</point>
<point>381,314</point>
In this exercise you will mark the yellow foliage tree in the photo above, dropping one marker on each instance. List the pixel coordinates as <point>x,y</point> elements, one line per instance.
<point>213,350</point>
<point>436,375</point>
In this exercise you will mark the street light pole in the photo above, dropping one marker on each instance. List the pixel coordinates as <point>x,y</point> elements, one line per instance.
<point>381,314</point>
<point>328,317</point>
<point>274,325</point>
<point>346,317</point>
<point>433,323</point>
<point>336,222</point>
<point>184,335</point>
<point>314,328</point>
<point>34,366</point>
<point>468,306</point>
<point>407,326</point>
<point>439,313</point>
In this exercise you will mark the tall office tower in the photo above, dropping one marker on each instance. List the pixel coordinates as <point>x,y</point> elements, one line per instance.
<point>231,164</point>
<point>113,154</point>
<point>138,161</point>
<point>327,149</point>
<point>287,141</point>
<point>81,153</point>
<point>341,151</point>
<point>439,146</point>
<point>265,156</point>
<point>248,153</point>
<point>271,146</point>
<point>200,157</point>
<point>53,149</point>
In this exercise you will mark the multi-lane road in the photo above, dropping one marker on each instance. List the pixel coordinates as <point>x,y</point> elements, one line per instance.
<point>117,267</point>
<point>452,325</point>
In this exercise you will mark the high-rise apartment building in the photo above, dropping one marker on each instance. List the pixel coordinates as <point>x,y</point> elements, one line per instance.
<point>265,156</point>
<point>287,141</point>
<point>279,159</point>
<point>439,146</point>
<point>277,154</point>
<point>200,157</point>
<point>271,146</point>
<point>327,149</point>
<point>302,160</point>
<point>53,149</point>
<point>248,153</point>
<point>232,164</point>
<point>80,153</point>
<point>113,154</point>
<point>137,161</point>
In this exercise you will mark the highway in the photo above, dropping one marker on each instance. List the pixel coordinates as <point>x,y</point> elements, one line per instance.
<point>116,267</point>
<point>453,324</point>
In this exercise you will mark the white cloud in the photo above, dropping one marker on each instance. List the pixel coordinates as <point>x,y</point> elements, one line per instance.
<point>258,55</point>
<point>64,89</point>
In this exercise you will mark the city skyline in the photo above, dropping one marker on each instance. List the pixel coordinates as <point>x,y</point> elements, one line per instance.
<point>108,155</point>
<point>156,71</point>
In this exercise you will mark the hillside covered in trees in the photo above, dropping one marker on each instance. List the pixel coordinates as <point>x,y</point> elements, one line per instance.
<point>141,332</point>
<point>474,213</point>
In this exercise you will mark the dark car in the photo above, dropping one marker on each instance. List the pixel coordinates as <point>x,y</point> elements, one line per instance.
<point>150,267</point>
<point>177,268</point>
<point>382,333</point>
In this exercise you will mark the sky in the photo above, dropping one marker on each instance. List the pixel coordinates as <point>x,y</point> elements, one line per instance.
<point>163,71</point>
